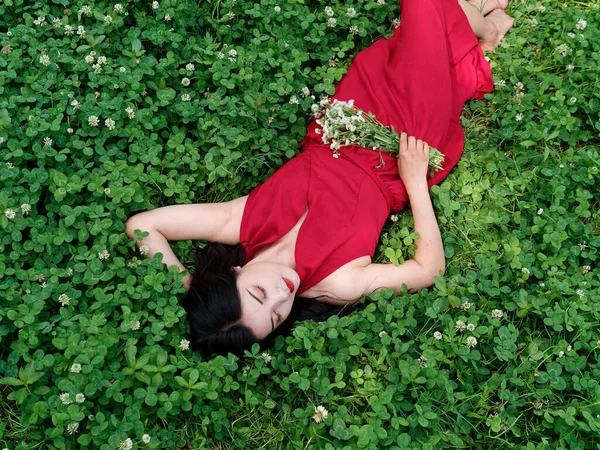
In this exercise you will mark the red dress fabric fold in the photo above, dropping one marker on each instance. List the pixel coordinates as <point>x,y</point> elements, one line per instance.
<point>417,81</point>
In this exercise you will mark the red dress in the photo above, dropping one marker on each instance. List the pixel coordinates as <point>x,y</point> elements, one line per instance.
<point>417,81</point>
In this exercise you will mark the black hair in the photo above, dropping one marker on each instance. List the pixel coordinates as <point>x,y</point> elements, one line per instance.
<point>214,308</point>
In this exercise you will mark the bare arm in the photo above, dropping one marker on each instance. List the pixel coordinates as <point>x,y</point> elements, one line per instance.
<point>215,222</point>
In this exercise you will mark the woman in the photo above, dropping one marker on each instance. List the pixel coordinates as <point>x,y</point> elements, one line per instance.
<point>310,230</point>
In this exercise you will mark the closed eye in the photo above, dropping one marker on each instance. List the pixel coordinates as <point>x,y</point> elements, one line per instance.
<point>263,290</point>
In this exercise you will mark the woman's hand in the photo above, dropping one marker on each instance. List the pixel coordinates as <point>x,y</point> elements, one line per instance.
<point>413,160</point>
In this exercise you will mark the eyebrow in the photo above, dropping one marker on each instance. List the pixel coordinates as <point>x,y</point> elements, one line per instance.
<point>255,297</point>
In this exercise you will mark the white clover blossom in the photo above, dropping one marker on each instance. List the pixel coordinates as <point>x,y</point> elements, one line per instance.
<point>500,83</point>
<point>89,59</point>
<point>581,24</point>
<point>110,124</point>
<point>519,117</point>
<point>185,98</point>
<point>122,69</point>
<point>525,271</point>
<point>155,5</point>
<point>130,112</point>
<point>40,21</point>
<point>232,53</point>
<point>350,12</point>
<point>220,55</point>
<point>81,31</point>
<point>394,218</point>
<point>108,20</point>
<point>144,250</point>
<point>75,368</point>
<point>533,23</point>
<point>93,121</point>
<point>134,325</point>
<point>48,142</point>
<point>381,2</point>
<point>540,211</point>
<point>423,362</point>
<point>86,10</point>
<point>266,357</point>
<point>10,213</point>
<point>68,30</point>
<point>56,22</point>
<point>561,354</point>
<point>191,67</point>
<point>185,81</point>
<point>97,68</point>
<point>438,335</point>
<point>184,344</point>
<point>26,209</point>
<point>107,191</point>
<point>277,9</point>
<point>320,414</point>
<point>331,22</point>
<point>305,92</point>
<point>580,293</point>
<point>64,299</point>
<point>293,100</point>
<point>353,30</point>
<point>460,326</point>
<point>72,427</point>
<point>382,333</point>
<point>127,444</point>
<point>585,269</point>
<point>103,255</point>
<point>65,398</point>
<point>75,104</point>
<point>572,100</point>
<point>563,49</point>
<point>45,60</point>
<point>471,341</point>
<point>167,18</point>
<point>466,306</point>
<point>396,22</point>
<point>329,11</point>
<point>146,438</point>
<point>496,314</point>
<point>571,35</point>
<point>470,327</point>
<point>102,60</point>
<point>230,15</point>
<point>80,398</point>
<point>118,8</point>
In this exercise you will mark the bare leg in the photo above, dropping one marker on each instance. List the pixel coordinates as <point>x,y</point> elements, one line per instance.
<point>489,30</point>
<point>487,6</point>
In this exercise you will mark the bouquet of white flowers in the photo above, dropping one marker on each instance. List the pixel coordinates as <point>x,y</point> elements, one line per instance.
<point>344,124</point>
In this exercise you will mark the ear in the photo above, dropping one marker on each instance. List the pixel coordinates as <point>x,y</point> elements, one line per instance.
<point>236,269</point>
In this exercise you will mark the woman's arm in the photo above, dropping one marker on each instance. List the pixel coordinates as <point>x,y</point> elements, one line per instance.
<point>429,259</point>
<point>215,222</point>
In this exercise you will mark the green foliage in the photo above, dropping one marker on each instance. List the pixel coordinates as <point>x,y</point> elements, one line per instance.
<point>504,350</point>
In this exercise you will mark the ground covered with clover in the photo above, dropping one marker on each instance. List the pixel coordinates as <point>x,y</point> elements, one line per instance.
<point>110,109</point>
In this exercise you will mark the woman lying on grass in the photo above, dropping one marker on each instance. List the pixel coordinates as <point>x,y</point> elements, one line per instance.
<point>300,245</point>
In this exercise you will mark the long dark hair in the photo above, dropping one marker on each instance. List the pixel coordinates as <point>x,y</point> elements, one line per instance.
<point>214,309</point>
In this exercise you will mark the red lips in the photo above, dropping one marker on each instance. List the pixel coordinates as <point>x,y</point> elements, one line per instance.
<point>289,284</point>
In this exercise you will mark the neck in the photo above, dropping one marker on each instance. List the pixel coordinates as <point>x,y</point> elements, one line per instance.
<point>276,253</point>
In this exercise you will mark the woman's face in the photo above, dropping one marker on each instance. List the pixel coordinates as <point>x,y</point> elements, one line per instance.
<point>267,292</point>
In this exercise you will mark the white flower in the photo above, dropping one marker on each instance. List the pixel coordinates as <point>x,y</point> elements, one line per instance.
<point>127,444</point>
<point>70,130</point>
<point>47,141</point>
<point>155,5</point>
<point>305,92</point>
<point>97,68</point>
<point>519,117</point>
<point>232,60</point>
<point>561,354</point>
<point>581,24</point>
<point>354,30</point>
<point>63,299</point>
<point>331,22</point>
<point>10,213</point>
<point>102,60</point>
<point>562,49</point>
<point>460,326</point>
<point>350,12</point>
<point>329,11</point>
<point>525,271</point>
<point>382,333</point>
<point>89,59</point>
<point>466,306</point>
<point>230,15</point>
<point>146,438</point>
<point>496,314</point>
<point>118,8</point>
<point>143,250</point>
<point>570,67</point>
<point>103,255</point>
<point>571,35</point>
<point>533,23</point>
<point>185,97</point>
<point>580,293</point>
<point>277,9</point>
<point>72,427</point>
<point>57,23</point>
<point>266,357</point>
<point>75,104</point>
<point>422,362</point>
<point>26,208</point>
<point>470,327</point>
<point>167,18</point>
<point>293,100</point>
<point>232,53</point>
<point>108,20</point>
<point>76,368</point>
<point>81,31</point>
<point>65,398</point>
<point>586,269</point>
<point>500,83</point>
<point>68,30</point>
<point>572,100</point>
<point>40,21</point>
<point>80,398</point>
<point>86,10</point>
<point>519,86</point>
<point>381,2</point>
<point>130,112</point>
<point>185,81</point>
<point>107,191</point>
<point>438,335</point>
<point>394,218</point>
<point>471,342</point>
<point>115,86</point>
<point>110,124</point>
<point>184,344</point>
<point>45,60</point>
<point>320,414</point>
<point>9,33</point>
<point>598,344</point>
<point>569,348</point>
<point>69,271</point>
<point>190,67</point>
<point>220,55</point>
<point>122,69</point>
<point>93,121</point>
<point>396,22</point>
<point>540,211</point>
<point>134,325</point>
